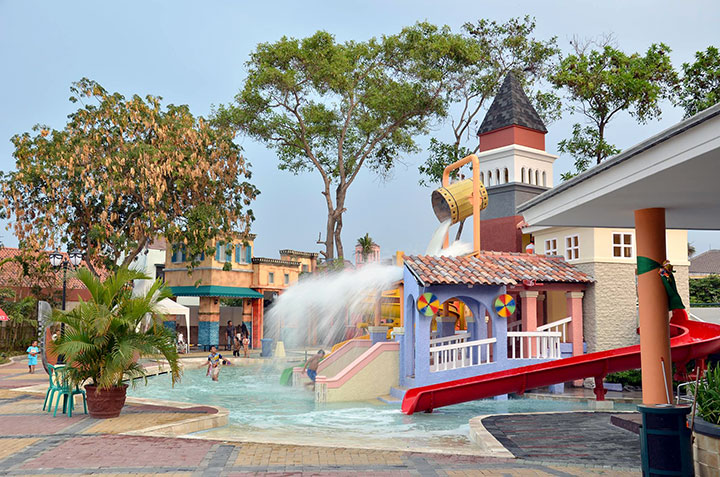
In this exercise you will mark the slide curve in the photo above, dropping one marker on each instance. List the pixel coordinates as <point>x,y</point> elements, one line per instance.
<point>689,340</point>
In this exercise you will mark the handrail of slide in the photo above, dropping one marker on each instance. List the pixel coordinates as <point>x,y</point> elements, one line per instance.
<point>690,340</point>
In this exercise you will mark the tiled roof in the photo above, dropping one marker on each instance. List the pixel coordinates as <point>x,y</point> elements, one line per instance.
<point>511,107</point>
<point>493,268</point>
<point>11,272</point>
<point>706,263</point>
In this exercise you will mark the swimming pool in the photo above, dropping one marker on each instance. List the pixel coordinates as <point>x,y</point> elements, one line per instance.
<point>262,410</point>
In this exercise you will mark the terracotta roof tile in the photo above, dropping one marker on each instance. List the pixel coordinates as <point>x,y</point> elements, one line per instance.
<point>493,268</point>
<point>11,272</point>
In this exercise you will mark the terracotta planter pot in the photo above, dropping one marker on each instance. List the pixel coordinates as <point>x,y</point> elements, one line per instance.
<point>105,403</point>
<point>706,448</point>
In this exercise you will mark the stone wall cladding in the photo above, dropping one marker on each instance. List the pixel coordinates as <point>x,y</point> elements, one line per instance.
<point>610,306</point>
<point>682,277</point>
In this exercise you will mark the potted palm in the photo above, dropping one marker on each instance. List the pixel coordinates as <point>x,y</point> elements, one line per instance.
<point>706,424</point>
<point>105,337</point>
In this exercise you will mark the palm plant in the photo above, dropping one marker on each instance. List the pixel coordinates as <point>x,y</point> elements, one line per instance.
<point>366,244</point>
<point>104,337</point>
<point>708,395</point>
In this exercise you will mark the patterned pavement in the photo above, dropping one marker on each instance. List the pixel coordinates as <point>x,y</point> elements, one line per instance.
<point>32,442</point>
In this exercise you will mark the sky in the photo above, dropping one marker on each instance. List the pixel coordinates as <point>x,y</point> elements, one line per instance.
<point>194,53</point>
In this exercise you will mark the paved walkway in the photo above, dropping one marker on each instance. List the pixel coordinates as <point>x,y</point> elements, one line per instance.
<point>32,442</point>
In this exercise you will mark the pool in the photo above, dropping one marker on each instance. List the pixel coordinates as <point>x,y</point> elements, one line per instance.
<point>261,410</point>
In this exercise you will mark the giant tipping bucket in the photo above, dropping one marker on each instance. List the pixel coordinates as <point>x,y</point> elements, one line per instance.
<point>454,201</point>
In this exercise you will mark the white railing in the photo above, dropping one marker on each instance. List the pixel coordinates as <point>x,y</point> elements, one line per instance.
<point>559,325</point>
<point>534,344</point>
<point>515,326</point>
<point>452,339</point>
<point>461,355</point>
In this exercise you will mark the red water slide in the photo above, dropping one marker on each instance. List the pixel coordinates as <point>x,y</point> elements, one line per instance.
<point>690,340</point>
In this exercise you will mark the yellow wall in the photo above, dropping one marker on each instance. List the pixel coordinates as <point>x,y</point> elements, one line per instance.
<point>261,272</point>
<point>596,244</point>
<point>556,305</point>
<point>375,379</point>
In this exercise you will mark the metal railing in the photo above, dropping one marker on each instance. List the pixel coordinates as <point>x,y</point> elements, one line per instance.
<point>461,355</point>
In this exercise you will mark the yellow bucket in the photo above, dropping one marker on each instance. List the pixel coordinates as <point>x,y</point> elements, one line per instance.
<point>453,202</point>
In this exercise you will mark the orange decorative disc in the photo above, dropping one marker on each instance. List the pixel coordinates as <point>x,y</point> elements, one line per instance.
<point>428,304</point>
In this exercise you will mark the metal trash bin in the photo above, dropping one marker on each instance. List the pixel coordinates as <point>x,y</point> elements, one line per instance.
<point>266,351</point>
<point>665,443</point>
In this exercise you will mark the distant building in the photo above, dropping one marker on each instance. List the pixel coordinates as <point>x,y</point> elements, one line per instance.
<point>232,272</point>
<point>372,257</point>
<point>704,264</point>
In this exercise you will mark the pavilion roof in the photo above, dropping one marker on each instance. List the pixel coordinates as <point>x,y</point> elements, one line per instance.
<point>493,268</point>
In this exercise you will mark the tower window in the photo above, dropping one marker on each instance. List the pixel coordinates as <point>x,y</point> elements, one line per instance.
<point>551,247</point>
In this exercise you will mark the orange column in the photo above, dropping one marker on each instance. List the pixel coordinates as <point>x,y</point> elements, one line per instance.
<point>575,329</point>
<point>257,322</point>
<point>653,307</point>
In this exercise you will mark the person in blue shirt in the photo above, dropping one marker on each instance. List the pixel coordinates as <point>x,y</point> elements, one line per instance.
<point>215,359</point>
<point>32,352</point>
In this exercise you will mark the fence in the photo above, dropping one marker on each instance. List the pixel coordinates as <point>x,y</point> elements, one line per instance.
<point>460,354</point>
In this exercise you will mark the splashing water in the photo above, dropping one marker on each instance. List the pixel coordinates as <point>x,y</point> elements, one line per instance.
<point>328,303</point>
<point>325,308</point>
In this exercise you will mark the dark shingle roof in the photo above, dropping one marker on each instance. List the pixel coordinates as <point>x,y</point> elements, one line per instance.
<point>706,263</point>
<point>511,107</point>
<point>493,268</point>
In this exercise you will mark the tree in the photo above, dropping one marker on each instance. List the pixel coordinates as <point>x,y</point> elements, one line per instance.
<point>122,172</point>
<point>705,290</point>
<point>602,83</point>
<point>497,49</point>
<point>336,108</point>
<point>366,245</point>
<point>700,85</point>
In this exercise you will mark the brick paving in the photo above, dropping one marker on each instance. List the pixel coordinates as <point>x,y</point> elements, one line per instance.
<point>34,443</point>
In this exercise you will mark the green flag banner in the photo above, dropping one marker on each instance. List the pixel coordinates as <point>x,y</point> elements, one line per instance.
<point>665,270</point>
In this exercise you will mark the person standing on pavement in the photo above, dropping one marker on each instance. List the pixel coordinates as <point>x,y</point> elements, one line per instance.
<point>32,352</point>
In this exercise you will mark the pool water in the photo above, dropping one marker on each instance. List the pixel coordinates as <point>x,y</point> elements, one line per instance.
<point>262,410</point>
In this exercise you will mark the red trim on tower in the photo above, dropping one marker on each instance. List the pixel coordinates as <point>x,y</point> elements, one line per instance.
<point>512,135</point>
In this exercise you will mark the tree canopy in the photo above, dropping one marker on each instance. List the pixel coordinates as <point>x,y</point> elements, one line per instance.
<point>366,244</point>
<point>700,85</point>
<point>123,172</point>
<point>600,84</point>
<point>705,290</point>
<point>336,108</point>
<point>497,49</point>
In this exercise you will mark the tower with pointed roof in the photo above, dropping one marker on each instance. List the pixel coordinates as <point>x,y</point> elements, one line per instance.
<point>513,162</point>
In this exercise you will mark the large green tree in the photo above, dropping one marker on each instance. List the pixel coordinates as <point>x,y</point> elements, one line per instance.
<point>601,83</point>
<point>122,172</point>
<point>336,108</point>
<point>705,290</point>
<point>497,49</point>
<point>700,85</point>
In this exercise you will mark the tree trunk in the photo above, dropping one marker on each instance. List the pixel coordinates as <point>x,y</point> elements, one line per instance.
<point>601,134</point>
<point>329,235</point>
<point>338,239</point>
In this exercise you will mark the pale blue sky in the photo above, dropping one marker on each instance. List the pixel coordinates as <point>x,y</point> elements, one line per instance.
<point>193,53</point>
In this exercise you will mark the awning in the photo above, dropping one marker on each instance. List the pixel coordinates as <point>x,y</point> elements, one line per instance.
<point>216,290</point>
<point>169,307</point>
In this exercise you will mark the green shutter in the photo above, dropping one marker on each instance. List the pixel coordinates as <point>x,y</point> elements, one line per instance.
<point>238,253</point>
<point>248,254</point>
<point>218,251</point>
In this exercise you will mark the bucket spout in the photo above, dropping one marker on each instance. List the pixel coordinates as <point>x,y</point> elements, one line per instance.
<point>454,202</point>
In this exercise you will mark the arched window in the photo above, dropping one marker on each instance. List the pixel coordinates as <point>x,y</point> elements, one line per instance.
<point>498,179</point>
<point>537,177</point>
<point>544,179</point>
<point>482,177</point>
<point>489,178</point>
<point>522,175</point>
<point>530,176</point>
<point>507,175</point>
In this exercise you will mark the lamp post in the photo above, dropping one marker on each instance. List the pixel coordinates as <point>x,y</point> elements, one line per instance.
<point>58,260</point>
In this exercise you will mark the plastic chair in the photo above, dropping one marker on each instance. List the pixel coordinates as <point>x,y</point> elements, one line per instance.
<point>53,387</point>
<point>68,392</point>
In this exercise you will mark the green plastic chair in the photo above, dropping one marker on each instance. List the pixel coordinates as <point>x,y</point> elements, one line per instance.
<point>53,387</point>
<point>67,391</point>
